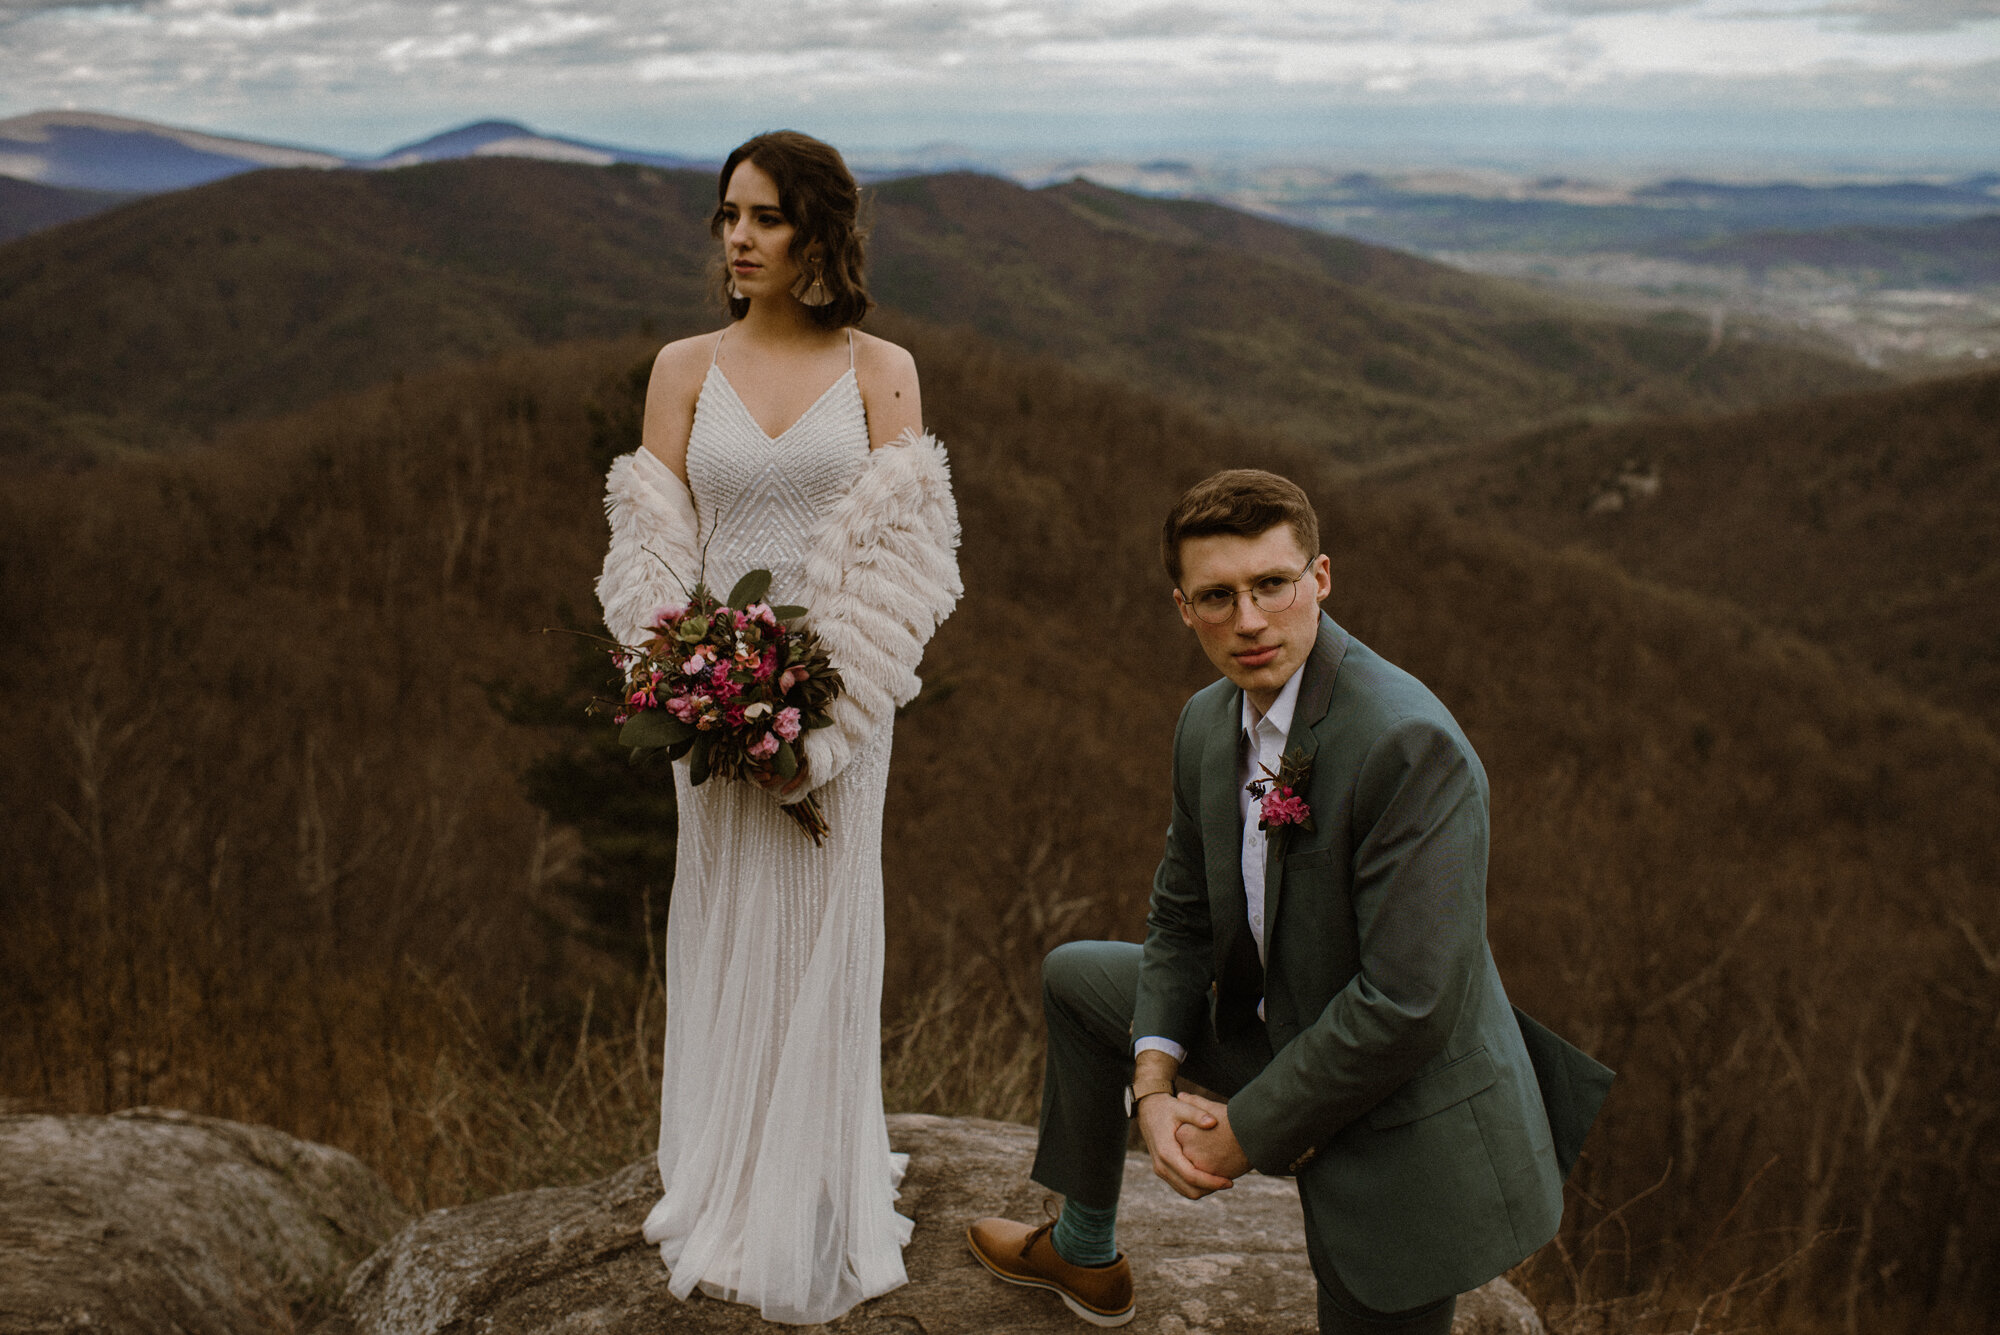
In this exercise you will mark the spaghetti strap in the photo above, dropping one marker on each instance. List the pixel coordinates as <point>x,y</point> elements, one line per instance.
<point>713,357</point>
<point>850,347</point>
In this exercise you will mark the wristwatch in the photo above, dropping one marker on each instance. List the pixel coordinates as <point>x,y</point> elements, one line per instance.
<point>1132,1096</point>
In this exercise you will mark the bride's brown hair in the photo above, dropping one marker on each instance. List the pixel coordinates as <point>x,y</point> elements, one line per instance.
<point>818,196</point>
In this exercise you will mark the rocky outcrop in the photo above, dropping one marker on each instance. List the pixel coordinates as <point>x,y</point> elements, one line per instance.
<point>152,1220</point>
<point>571,1259</point>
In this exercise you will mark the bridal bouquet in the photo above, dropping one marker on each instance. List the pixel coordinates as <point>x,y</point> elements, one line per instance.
<point>730,685</point>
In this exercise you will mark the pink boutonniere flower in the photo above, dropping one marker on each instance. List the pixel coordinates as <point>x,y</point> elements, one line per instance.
<point>1282,807</point>
<point>1280,800</point>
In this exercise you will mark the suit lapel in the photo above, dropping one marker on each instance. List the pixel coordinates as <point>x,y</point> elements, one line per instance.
<point>1222,829</point>
<point>1315,695</point>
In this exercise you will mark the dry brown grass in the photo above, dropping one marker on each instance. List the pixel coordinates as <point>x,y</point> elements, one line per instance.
<point>268,855</point>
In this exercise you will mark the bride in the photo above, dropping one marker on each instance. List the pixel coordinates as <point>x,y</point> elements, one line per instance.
<point>788,441</point>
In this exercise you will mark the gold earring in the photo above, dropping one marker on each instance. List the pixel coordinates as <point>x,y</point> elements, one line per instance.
<point>812,293</point>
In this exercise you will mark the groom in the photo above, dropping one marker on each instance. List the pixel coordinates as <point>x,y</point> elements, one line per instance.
<point>1315,952</point>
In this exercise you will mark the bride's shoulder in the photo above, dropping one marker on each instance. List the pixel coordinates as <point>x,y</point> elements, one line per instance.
<point>683,363</point>
<point>887,378</point>
<point>879,358</point>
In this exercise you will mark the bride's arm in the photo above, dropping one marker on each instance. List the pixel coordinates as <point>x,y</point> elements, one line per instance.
<point>653,558</point>
<point>881,574</point>
<point>670,397</point>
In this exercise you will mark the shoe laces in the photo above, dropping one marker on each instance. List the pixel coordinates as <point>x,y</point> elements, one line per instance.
<point>1039,1232</point>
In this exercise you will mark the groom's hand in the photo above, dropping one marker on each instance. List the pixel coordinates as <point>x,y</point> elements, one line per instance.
<point>1163,1120</point>
<point>1210,1145</point>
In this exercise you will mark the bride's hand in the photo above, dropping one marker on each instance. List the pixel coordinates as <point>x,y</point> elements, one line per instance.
<point>777,783</point>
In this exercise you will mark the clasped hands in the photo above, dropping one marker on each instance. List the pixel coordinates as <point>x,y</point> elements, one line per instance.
<point>1193,1149</point>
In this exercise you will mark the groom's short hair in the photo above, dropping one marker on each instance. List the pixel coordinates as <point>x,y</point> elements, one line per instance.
<point>1241,502</point>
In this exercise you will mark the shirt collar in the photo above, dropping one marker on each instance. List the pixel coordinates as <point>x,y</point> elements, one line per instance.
<point>1282,709</point>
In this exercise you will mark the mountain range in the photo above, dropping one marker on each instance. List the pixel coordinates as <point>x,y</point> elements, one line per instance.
<point>306,460</point>
<point>1939,255</point>
<point>1431,211</point>
<point>1445,212</point>
<point>270,290</point>
<point>92,151</point>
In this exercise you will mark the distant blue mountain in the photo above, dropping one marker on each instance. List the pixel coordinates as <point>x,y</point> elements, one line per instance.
<point>88,151</point>
<point>508,139</point>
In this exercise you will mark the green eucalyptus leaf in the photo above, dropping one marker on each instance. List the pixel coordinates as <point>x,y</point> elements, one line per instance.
<point>651,727</point>
<point>750,589</point>
<point>693,627</point>
<point>698,759</point>
<point>788,613</point>
<point>786,762</point>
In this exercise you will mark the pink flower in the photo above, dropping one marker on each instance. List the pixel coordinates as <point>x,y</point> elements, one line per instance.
<point>725,690</point>
<point>764,747</point>
<point>732,715</point>
<point>666,614</point>
<point>761,612</point>
<point>787,724</point>
<point>791,677</point>
<point>1282,807</point>
<point>696,664</point>
<point>766,665</point>
<point>720,674</point>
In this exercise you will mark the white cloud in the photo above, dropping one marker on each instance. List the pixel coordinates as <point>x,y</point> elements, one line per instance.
<point>216,61</point>
<point>1918,15</point>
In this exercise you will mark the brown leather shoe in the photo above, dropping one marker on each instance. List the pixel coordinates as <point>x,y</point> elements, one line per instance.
<point>1101,1295</point>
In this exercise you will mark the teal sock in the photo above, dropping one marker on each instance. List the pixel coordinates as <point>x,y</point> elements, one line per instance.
<point>1086,1234</point>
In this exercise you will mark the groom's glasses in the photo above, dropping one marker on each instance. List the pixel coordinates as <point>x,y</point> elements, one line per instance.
<point>1273,593</point>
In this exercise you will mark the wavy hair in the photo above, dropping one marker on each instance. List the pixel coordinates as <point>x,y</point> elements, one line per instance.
<point>1239,502</point>
<point>818,196</point>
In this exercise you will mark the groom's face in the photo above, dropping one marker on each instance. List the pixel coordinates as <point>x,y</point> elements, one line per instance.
<point>1259,650</point>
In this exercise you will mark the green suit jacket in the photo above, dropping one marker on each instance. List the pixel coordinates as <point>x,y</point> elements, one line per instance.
<point>1402,1093</point>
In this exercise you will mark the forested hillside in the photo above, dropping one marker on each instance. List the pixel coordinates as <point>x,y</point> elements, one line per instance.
<point>282,703</point>
<point>1864,522</point>
<point>153,323</point>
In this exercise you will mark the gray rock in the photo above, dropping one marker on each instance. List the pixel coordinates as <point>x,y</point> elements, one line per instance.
<point>152,1220</point>
<point>572,1260</point>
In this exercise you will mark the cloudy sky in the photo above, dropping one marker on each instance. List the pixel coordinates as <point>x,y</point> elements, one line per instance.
<point>1894,80</point>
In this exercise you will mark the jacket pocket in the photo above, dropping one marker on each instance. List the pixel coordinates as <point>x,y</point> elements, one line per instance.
<point>1433,1093</point>
<point>1319,857</point>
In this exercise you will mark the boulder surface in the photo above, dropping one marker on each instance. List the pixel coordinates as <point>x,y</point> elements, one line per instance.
<point>154,1220</point>
<point>571,1259</point>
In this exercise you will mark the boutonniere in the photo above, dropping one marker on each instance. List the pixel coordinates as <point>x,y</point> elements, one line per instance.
<point>1278,795</point>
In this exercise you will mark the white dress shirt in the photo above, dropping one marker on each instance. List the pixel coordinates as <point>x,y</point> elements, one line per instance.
<point>1261,751</point>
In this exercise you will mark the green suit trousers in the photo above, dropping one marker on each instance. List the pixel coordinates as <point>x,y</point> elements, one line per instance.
<point>1089,989</point>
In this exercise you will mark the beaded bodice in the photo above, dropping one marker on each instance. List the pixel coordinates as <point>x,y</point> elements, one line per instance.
<point>758,496</point>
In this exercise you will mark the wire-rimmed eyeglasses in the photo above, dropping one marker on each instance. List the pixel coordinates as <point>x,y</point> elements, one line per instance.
<point>1272,593</point>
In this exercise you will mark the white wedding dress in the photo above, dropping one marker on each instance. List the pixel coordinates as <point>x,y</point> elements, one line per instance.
<point>779,1184</point>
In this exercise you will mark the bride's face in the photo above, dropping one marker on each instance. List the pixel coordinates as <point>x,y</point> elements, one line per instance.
<point>756,238</point>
